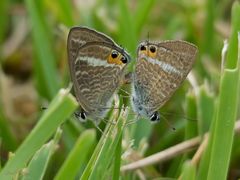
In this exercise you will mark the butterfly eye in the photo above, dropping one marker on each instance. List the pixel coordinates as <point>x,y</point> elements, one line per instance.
<point>152,49</point>
<point>142,48</point>
<point>114,54</point>
<point>155,117</point>
<point>124,60</point>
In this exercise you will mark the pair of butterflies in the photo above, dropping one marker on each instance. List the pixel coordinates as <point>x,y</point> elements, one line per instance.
<point>97,67</point>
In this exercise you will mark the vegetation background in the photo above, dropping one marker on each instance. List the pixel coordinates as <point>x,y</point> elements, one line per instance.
<point>47,144</point>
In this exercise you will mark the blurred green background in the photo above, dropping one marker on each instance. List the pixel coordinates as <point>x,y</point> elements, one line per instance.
<point>33,67</point>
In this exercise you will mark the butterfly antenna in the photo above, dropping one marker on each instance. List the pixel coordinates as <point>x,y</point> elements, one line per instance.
<point>122,48</point>
<point>98,128</point>
<point>147,37</point>
<point>148,41</point>
<point>179,115</point>
<point>168,123</point>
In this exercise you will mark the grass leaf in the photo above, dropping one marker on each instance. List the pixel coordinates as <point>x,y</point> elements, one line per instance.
<point>45,64</point>
<point>59,110</point>
<point>225,119</point>
<point>77,157</point>
<point>38,165</point>
<point>232,53</point>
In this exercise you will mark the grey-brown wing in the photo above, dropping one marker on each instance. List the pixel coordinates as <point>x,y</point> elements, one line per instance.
<point>185,50</point>
<point>79,36</point>
<point>94,79</point>
<point>156,82</point>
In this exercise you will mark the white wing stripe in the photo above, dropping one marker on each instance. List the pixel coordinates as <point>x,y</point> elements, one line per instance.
<point>94,61</point>
<point>165,66</point>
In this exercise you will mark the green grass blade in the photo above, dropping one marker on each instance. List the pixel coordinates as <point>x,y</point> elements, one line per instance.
<point>143,10</point>
<point>191,112</point>
<point>59,110</point>
<point>45,64</point>
<point>141,130</point>
<point>62,9</point>
<point>117,160</point>
<point>4,6</point>
<point>127,35</point>
<point>105,149</point>
<point>225,119</point>
<point>7,138</point>
<point>232,53</point>
<point>189,171</point>
<point>87,171</point>
<point>209,27</point>
<point>98,166</point>
<point>38,165</point>
<point>0,156</point>
<point>226,113</point>
<point>204,162</point>
<point>106,155</point>
<point>65,12</point>
<point>205,110</point>
<point>206,115</point>
<point>72,128</point>
<point>77,157</point>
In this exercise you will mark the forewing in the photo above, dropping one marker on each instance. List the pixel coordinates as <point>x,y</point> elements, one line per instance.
<point>79,36</point>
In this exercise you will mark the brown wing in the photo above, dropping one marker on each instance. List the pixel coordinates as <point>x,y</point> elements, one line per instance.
<point>94,79</point>
<point>185,50</point>
<point>78,36</point>
<point>156,82</point>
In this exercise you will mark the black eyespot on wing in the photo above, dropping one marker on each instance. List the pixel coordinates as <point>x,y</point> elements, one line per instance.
<point>142,47</point>
<point>83,115</point>
<point>124,60</point>
<point>153,49</point>
<point>114,54</point>
<point>155,117</point>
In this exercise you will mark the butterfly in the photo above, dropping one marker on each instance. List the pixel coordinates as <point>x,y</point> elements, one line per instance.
<point>97,67</point>
<point>160,69</point>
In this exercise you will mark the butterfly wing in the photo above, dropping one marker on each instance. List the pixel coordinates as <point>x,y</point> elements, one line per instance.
<point>186,51</point>
<point>95,74</point>
<point>78,36</point>
<point>159,74</point>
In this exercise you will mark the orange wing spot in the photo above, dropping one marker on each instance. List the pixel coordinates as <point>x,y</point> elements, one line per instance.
<point>116,60</point>
<point>152,54</point>
<point>149,53</point>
